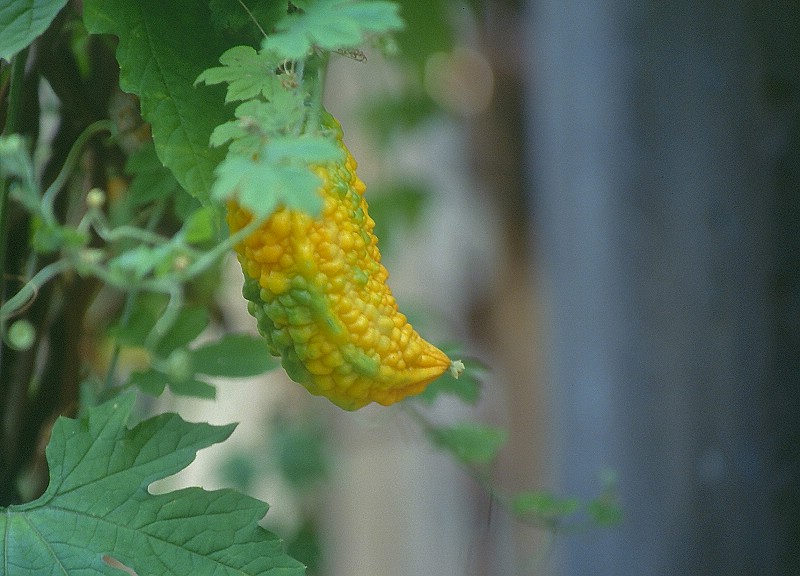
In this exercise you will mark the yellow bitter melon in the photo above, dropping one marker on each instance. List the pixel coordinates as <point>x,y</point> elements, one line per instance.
<point>318,291</point>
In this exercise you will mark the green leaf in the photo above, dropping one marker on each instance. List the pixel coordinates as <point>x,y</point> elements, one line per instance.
<point>543,505</point>
<point>201,226</point>
<point>16,162</point>
<point>298,447</point>
<point>235,21</point>
<point>22,21</point>
<point>386,115</point>
<point>474,444</point>
<point>134,265</point>
<point>154,382</point>
<point>97,508</point>
<point>280,175</point>
<point>53,237</point>
<point>305,149</point>
<point>256,120</point>
<point>194,388</point>
<point>233,356</point>
<point>152,180</point>
<point>146,312</point>
<point>190,323</point>
<point>248,74</point>
<point>185,204</point>
<point>163,47</point>
<point>307,546</point>
<point>150,381</point>
<point>332,25</point>
<point>605,511</point>
<point>429,29</point>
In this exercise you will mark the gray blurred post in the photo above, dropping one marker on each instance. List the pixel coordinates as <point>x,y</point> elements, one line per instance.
<point>652,222</point>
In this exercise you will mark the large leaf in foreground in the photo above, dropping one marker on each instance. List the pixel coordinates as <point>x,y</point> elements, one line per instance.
<point>22,21</point>
<point>163,47</point>
<point>97,509</point>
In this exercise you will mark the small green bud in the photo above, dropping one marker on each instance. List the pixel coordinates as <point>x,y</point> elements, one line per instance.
<point>179,366</point>
<point>21,335</point>
<point>95,198</point>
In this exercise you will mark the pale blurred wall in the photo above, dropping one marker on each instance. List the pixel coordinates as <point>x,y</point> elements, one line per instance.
<point>665,186</point>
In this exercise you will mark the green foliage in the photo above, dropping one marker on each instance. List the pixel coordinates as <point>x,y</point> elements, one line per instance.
<point>540,507</point>
<point>279,176</point>
<point>97,507</point>
<point>22,21</point>
<point>473,444</point>
<point>245,19</point>
<point>269,157</point>
<point>233,356</point>
<point>540,504</point>
<point>16,165</point>
<point>477,447</point>
<point>163,47</point>
<point>185,370</point>
<point>152,180</point>
<point>428,30</point>
<point>249,74</point>
<point>331,25</point>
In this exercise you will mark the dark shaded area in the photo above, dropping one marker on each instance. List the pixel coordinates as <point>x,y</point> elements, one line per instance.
<point>41,383</point>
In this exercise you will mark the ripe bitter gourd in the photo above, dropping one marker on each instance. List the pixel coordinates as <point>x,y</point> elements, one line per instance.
<point>318,291</point>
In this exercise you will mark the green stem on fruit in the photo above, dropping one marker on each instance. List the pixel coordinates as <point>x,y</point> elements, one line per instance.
<point>315,74</point>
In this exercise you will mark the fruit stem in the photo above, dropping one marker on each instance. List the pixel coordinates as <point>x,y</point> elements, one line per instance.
<point>315,74</point>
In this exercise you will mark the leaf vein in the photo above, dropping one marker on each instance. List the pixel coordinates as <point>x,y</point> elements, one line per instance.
<point>45,543</point>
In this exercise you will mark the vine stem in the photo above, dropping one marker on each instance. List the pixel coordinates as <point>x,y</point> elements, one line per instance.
<point>48,199</point>
<point>33,285</point>
<point>166,286</point>
<point>253,18</point>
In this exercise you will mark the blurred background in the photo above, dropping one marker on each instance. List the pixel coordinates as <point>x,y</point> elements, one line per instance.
<point>600,201</point>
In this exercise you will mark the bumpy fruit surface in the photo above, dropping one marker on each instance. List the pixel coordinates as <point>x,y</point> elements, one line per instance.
<point>318,290</point>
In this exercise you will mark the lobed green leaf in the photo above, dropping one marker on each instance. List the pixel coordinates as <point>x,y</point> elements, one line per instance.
<point>331,25</point>
<point>280,175</point>
<point>248,73</point>
<point>97,511</point>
